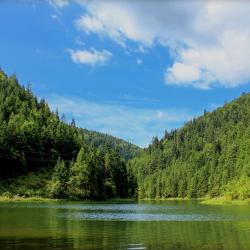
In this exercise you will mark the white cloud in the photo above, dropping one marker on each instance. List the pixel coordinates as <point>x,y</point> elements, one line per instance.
<point>116,20</point>
<point>91,57</point>
<point>227,62</point>
<point>59,3</point>
<point>208,39</point>
<point>182,73</point>
<point>89,24</point>
<point>132,124</point>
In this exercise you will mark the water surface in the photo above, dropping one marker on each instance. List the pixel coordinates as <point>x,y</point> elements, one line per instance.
<point>123,225</point>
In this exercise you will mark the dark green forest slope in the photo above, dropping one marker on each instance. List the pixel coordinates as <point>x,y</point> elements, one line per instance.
<point>42,155</point>
<point>208,157</point>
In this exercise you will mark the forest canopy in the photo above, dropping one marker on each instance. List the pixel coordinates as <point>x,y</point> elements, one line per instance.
<point>207,157</point>
<point>41,154</point>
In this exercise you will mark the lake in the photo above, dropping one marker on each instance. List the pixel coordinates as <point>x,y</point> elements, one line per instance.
<point>123,225</point>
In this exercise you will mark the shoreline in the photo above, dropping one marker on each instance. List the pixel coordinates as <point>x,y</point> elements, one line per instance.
<point>202,201</point>
<point>26,199</point>
<point>17,198</point>
<point>173,199</point>
<point>206,201</point>
<point>224,201</point>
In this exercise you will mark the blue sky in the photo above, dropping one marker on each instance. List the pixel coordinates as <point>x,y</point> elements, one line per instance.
<point>128,68</point>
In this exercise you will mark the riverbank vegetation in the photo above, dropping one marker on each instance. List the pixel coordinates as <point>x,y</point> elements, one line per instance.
<point>225,201</point>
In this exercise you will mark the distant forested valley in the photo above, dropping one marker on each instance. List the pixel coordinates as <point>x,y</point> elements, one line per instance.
<point>43,155</point>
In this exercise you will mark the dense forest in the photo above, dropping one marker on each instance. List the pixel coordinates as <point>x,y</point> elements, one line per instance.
<point>42,155</point>
<point>208,157</point>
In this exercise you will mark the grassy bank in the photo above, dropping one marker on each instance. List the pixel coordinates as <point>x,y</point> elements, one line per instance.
<point>17,198</point>
<point>224,201</point>
<point>166,199</point>
<point>204,201</point>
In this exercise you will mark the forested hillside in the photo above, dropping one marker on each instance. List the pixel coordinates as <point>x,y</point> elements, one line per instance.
<point>99,140</point>
<point>208,157</point>
<point>42,155</point>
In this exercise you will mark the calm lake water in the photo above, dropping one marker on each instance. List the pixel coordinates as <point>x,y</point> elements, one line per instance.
<point>123,225</point>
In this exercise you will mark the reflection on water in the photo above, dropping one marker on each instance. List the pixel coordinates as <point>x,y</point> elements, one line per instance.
<point>144,225</point>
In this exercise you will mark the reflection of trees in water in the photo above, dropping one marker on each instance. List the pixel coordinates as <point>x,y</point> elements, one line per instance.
<point>39,227</point>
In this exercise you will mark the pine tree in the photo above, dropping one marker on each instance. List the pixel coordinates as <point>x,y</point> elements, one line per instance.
<point>80,180</point>
<point>57,187</point>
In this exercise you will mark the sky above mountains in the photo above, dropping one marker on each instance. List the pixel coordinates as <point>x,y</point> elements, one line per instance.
<point>128,68</point>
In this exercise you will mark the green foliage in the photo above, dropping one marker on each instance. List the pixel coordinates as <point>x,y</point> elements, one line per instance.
<point>57,186</point>
<point>33,140</point>
<point>80,181</point>
<point>7,195</point>
<point>97,175</point>
<point>207,157</point>
<point>104,142</point>
<point>238,188</point>
<point>32,184</point>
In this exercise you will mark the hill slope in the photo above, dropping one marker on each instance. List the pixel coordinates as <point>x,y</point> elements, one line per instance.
<point>99,140</point>
<point>33,139</point>
<point>209,156</point>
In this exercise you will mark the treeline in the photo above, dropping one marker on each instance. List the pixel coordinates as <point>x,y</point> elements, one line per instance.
<point>99,140</point>
<point>93,175</point>
<point>208,157</point>
<point>34,139</point>
<point>41,154</point>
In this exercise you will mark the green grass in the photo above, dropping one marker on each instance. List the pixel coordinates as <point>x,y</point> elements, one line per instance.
<point>224,201</point>
<point>214,201</point>
<point>16,198</point>
<point>165,199</point>
<point>206,201</point>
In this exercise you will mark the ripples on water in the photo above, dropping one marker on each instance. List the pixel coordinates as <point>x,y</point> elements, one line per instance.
<point>145,225</point>
<point>142,212</point>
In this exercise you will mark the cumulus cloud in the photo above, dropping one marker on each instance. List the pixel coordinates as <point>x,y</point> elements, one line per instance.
<point>208,39</point>
<point>183,73</point>
<point>122,20</point>
<point>227,62</point>
<point>90,57</point>
<point>132,124</point>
